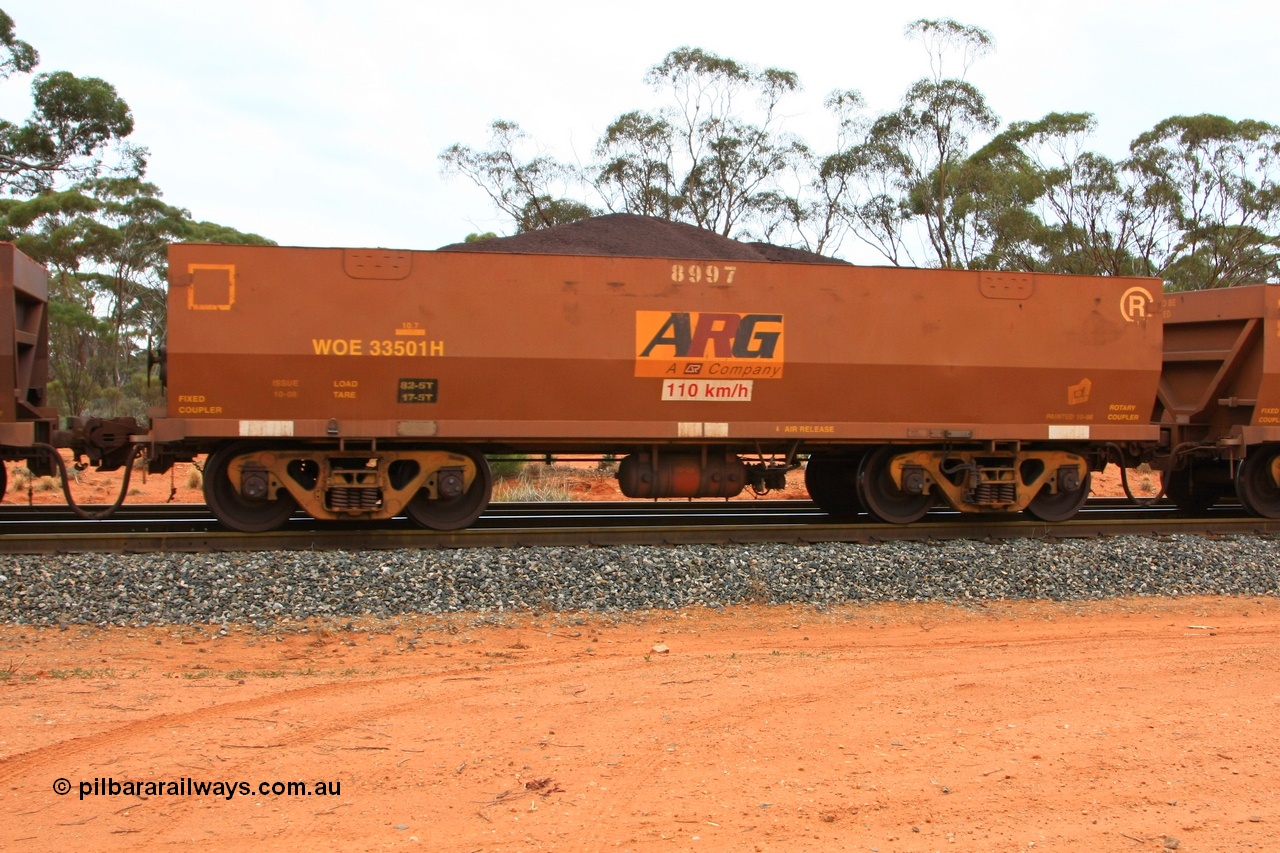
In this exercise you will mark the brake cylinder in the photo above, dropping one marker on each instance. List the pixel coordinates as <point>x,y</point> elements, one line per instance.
<point>681,475</point>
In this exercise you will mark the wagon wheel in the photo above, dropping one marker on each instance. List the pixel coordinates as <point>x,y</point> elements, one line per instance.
<point>832,483</point>
<point>882,498</point>
<point>1190,494</point>
<point>1254,486</point>
<point>234,510</point>
<point>1050,507</point>
<point>454,513</point>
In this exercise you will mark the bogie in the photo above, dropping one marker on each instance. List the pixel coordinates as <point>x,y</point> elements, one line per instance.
<point>899,484</point>
<point>255,487</point>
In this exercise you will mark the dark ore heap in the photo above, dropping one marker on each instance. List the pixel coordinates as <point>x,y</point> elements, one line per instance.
<point>628,235</point>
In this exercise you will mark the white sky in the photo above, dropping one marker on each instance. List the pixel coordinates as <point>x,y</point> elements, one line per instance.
<point>319,123</point>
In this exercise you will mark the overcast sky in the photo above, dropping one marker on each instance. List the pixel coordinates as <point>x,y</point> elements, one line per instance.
<point>319,123</point>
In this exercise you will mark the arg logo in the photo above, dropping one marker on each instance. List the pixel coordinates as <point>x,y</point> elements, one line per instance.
<point>715,345</point>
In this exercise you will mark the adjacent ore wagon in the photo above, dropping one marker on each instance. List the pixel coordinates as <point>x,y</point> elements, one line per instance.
<point>360,384</point>
<point>1219,397</point>
<point>24,359</point>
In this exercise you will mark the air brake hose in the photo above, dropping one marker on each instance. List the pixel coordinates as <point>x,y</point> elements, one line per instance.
<point>1124,480</point>
<point>66,485</point>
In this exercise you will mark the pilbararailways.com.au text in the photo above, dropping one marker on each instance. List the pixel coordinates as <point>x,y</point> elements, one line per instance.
<point>188,787</point>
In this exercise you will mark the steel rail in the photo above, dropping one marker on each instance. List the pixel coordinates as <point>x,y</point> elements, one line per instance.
<point>16,513</point>
<point>192,529</point>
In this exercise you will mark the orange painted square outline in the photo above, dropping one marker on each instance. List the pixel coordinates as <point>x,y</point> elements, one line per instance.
<point>231,295</point>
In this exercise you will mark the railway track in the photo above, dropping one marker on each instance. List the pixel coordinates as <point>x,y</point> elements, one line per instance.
<point>192,528</point>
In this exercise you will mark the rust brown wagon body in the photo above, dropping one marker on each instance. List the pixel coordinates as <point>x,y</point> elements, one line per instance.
<point>363,382</point>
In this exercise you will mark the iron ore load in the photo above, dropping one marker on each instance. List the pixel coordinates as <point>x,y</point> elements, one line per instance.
<point>363,384</point>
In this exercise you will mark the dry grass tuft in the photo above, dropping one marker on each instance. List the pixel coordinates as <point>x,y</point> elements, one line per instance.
<point>534,484</point>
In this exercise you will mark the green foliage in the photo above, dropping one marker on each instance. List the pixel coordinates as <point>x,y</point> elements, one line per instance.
<point>506,467</point>
<point>189,231</point>
<point>78,367</point>
<point>546,212</point>
<point>639,152</point>
<point>934,182</point>
<point>16,56</point>
<point>911,166</point>
<point>102,230</point>
<point>523,189</point>
<point>105,241</point>
<point>945,37</point>
<point>73,118</point>
<point>1213,185</point>
<point>1196,202</point>
<point>707,159</point>
<point>923,148</point>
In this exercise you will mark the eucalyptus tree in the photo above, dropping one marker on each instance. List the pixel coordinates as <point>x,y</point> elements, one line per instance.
<point>72,124</point>
<point>529,189</point>
<point>1195,202</point>
<point>74,119</point>
<point>16,55</point>
<point>1214,185</point>
<point>73,196</point>
<point>902,183</point>
<point>715,156</point>
<point>934,182</point>
<point>1079,215</point>
<point>638,172</point>
<point>992,218</point>
<point>104,241</point>
<point>917,152</point>
<point>814,215</point>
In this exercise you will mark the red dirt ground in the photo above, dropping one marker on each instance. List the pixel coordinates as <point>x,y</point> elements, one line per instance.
<point>1128,725</point>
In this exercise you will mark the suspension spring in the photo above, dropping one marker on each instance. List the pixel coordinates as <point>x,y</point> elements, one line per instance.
<point>354,498</point>
<point>995,493</point>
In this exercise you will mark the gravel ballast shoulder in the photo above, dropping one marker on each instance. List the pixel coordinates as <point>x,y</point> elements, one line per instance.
<point>263,589</point>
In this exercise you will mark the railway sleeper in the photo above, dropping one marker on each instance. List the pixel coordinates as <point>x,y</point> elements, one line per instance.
<point>364,485</point>
<point>1000,481</point>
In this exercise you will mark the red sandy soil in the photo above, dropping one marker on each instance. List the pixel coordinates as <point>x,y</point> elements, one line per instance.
<point>1123,726</point>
